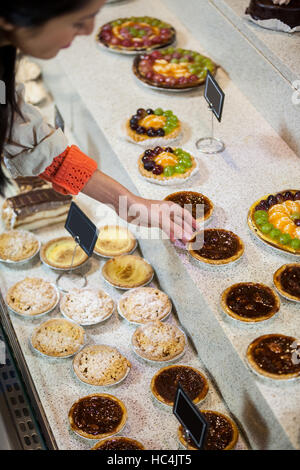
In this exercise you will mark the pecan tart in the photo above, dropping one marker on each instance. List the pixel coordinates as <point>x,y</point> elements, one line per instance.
<point>222,433</point>
<point>58,337</point>
<point>32,296</point>
<point>134,34</point>
<point>167,165</point>
<point>173,69</point>
<point>158,341</point>
<point>18,246</point>
<point>127,271</point>
<point>117,443</point>
<point>275,219</point>
<point>287,281</point>
<point>153,127</point>
<point>216,246</point>
<point>97,416</point>
<point>287,13</point>
<point>194,202</point>
<point>100,365</point>
<point>114,240</point>
<point>272,356</point>
<point>87,306</point>
<point>250,302</point>
<point>58,253</point>
<point>165,382</point>
<point>144,305</point>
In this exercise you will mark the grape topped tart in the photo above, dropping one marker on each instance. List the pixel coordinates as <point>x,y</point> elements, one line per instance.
<point>135,34</point>
<point>173,69</point>
<point>275,218</point>
<point>146,126</point>
<point>167,165</point>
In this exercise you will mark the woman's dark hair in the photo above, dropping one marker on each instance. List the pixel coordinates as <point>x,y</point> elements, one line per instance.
<point>25,13</point>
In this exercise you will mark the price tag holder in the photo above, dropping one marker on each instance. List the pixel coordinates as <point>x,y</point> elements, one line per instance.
<point>190,418</point>
<point>82,229</point>
<point>214,95</point>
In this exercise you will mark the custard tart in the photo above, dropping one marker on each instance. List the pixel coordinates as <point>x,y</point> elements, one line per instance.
<point>127,272</point>
<point>58,253</point>
<point>97,416</point>
<point>250,302</point>
<point>216,246</point>
<point>287,281</point>
<point>117,443</point>
<point>114,240</point>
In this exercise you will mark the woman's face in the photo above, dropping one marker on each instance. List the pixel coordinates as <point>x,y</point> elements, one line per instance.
<point>46,41</point>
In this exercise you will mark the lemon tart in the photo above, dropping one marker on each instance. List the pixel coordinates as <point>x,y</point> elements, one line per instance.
<point>114,240</point>
<point>58,253</point>
<point>127,271</point>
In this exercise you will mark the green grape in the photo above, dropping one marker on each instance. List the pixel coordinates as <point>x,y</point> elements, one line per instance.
<point>173,120</point>
<point>295,216</point>
<point>284,238</point>
<point>154,22</point>
<point>167,129</point>
<point>174,61</point>
<point>201,74</point>
<point>198,59</point>
<point>178,152</point>
<point>182,60</point>
<point>170,50</point>
<point>192,69</point>
<point>158,112</point>
<point>295,244</point>
<point>169,171</point>
<point>180,169</point>
<point>141,33</point>
<point>185,163</point>
<point>260,221</point>
<point>266,228</point>
<point>186,154</point>
<point>168,113</point>
<point>261,214</point>
<point>275,233</point>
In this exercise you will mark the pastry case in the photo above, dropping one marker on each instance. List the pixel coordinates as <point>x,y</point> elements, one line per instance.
<point>256,163</point>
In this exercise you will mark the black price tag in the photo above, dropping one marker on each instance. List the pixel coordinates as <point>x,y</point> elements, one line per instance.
<point>190,418</point>
<point>82,229</point>
<point>214,95</point>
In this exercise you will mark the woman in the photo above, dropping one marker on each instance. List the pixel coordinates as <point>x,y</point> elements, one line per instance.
<point>32,147</point>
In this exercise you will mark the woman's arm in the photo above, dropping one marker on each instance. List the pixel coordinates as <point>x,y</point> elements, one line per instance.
<point>176,222</point>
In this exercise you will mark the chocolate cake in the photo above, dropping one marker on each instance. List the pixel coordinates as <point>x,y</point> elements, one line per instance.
<point>266,10</point>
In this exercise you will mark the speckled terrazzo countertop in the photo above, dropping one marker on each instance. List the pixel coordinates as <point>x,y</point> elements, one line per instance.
<point>256,162</point>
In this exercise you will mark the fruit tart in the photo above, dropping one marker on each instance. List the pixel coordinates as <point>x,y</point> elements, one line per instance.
<point>167,165</point>
<point>275,219</point>
<point>173,69</point>
<point>135,34</point>
<point>153,127</point>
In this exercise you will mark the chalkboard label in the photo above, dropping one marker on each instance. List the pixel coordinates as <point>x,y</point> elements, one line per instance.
<point>214,95</point>
<point>82,229</point>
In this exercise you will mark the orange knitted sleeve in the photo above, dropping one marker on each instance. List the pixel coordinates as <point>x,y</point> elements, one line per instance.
<point>70,171</point>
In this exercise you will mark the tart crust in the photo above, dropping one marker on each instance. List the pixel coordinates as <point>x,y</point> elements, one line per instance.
<point>201,395</point>
<point>158,341</point>
<point>100,365</point>
<point>64,258</point>
<point>144,305</point>
<point>127,271</point>
<point>255,229</point>
<point>249,319</point>
<point>32,296</point>
<point>230,445</point>
<point>114,240</point>
<point>263,372</point>
<point>18,245</point>
<point>239,251</point>
<point>161,178</point>
<point>278,284</point>
<point>113,444</point>
<point>105,396</point>
<point>58,337</point>
<point>172,197</point>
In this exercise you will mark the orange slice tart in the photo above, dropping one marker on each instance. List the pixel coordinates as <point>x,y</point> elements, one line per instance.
<point>275,218</point>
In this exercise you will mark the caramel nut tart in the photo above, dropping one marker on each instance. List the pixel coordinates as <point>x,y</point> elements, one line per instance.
<point>58,337</point>
<point>222,433</point>
<point>114,240</point>
<point>193,199</point>
<point>97,416</point>
<point>167,165</point>
<point>100,365</point>
<point>275,219</point>
<point>117,443</point>
<point>250,302</point>
<point>271,356</point>
<point>165,382</point>
<point>287,13</point>
<point>158,341</point>
<point>17,246</point>
<point>134,34</point>
<point>287,281</point>
<point>150,127</point>
<point>32,296</point>
<point>173,69</point>
<point>219,246</point>
<point>144,304</point>
<point>87,306</point>
<point>127,271</point>
<point>58,253</point>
